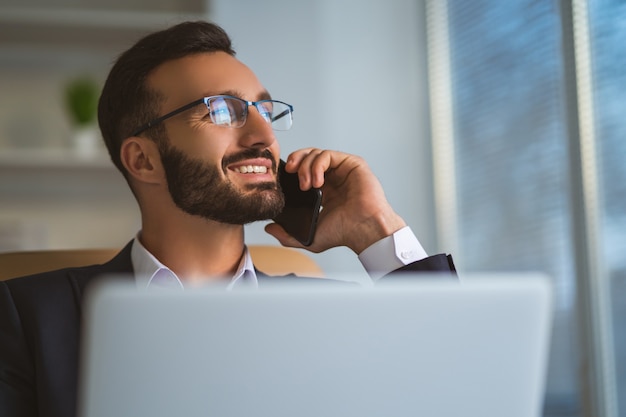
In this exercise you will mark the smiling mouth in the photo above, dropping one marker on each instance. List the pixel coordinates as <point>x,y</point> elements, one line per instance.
<point>251,169</point>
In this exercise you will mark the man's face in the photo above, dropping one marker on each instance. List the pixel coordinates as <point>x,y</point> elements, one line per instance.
<point>219,173</point>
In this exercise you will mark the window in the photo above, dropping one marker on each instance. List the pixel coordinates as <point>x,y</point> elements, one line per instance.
<point>607,28</point>
<point>507,112</point>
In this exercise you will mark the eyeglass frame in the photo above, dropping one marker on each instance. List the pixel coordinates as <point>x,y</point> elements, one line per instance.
<point>205,100</point>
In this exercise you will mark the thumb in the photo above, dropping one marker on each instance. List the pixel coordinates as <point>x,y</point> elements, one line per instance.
<point>282,236</point>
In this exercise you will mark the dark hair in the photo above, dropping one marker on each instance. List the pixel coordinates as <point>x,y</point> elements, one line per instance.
<point>126,102</point>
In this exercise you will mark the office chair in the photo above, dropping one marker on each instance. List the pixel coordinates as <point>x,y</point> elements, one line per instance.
<point>272,260</point>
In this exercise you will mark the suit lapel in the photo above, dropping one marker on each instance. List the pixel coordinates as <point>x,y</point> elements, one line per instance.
<point>81,278</point>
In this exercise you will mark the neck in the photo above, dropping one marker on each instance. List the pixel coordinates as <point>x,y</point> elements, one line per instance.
<point>192,247</point>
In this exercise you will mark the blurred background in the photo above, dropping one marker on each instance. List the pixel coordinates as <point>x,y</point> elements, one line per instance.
<point>497,129</point>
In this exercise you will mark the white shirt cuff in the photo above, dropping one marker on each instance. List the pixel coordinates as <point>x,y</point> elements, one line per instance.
<point>391,253</point>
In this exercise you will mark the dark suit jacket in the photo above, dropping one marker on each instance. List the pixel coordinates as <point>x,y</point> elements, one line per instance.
<point>40,320</point>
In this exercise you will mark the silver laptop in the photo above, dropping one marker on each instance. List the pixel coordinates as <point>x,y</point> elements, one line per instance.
<point>417,347</point>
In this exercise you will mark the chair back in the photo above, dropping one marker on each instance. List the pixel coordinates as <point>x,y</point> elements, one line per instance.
<point>273,260</point>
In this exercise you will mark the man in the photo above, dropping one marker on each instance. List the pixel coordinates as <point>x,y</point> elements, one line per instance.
<point>191,129</point>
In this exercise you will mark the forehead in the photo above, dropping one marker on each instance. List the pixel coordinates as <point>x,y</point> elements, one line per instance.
<point>194,76</point>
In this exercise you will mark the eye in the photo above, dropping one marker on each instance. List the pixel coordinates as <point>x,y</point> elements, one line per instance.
<point>221,116</point>
<point>220,112</point>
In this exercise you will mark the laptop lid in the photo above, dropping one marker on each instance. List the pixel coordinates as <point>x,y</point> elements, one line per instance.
<point>416,347</point>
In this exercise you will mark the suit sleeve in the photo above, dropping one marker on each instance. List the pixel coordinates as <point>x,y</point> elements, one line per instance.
<point>17,391</point>
<point>437,264</point>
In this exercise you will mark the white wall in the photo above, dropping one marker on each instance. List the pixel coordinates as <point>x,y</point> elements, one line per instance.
<point>338,62</point>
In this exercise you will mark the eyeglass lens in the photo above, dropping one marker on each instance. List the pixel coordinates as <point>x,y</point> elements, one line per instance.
<point>232,112</point>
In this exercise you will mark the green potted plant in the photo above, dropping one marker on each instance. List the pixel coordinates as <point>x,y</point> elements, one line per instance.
<point>81,101</point>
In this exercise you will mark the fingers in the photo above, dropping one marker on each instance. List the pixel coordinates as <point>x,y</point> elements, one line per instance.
<point>311,165</point>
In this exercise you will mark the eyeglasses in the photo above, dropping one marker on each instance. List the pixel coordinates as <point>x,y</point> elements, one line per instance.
<point>230,111</point>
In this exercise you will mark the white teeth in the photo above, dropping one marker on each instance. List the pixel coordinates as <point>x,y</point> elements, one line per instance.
<point>249,169</point>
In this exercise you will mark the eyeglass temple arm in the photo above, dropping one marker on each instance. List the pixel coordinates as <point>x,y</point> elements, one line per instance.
<point>281,114</point>
<point>167,116</point>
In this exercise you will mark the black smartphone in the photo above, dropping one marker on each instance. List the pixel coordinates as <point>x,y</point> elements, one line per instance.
<point>302,208</point>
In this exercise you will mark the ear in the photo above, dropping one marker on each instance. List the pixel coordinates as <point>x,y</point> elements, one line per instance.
<point>141,159</point>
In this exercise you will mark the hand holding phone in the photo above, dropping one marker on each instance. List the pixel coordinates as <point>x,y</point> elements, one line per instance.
<point>302,208</point>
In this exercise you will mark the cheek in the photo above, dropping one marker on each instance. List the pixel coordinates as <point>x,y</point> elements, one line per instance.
<point>200,145</point>
<point>275,150</point>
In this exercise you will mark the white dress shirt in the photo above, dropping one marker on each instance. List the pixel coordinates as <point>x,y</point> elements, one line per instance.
<point>384,256</point>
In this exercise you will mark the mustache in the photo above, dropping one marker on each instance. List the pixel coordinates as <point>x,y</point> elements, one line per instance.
<point>249,154</point>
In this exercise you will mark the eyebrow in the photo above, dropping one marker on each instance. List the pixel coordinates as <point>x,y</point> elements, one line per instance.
<point>264,95</point>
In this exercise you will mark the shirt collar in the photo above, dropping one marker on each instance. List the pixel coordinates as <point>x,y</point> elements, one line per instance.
<point>150,272</point>
<point>246,274</point>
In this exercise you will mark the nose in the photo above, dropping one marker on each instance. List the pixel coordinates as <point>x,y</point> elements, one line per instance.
<point>257,131</point>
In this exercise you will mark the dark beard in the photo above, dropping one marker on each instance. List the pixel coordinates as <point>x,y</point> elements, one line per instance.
<point>198,189</point>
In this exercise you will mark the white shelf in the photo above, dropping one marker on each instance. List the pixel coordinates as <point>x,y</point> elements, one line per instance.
<point>64,38</point>
<point>54,159</point>
<point>94,18</point>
